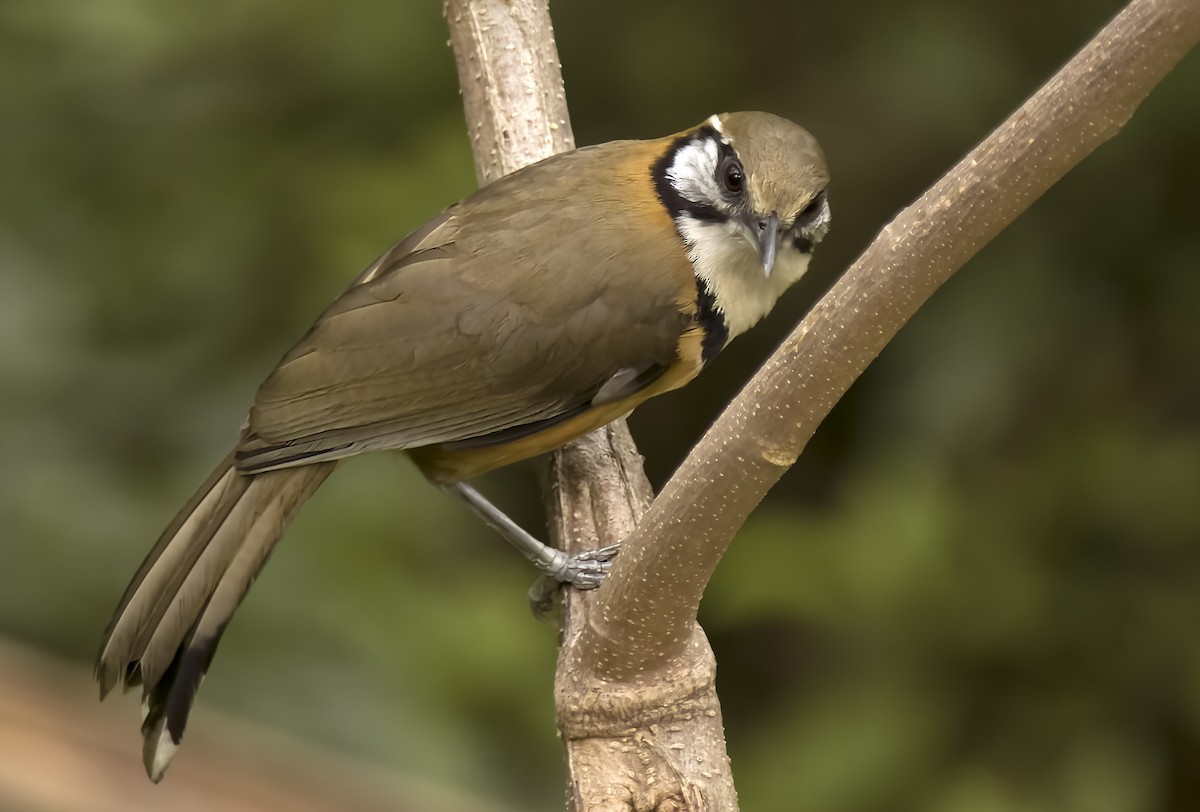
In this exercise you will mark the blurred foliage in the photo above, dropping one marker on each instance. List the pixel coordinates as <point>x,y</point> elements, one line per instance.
<point>975,592</point>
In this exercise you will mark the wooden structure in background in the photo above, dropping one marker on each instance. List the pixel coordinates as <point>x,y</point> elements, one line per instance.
<point>62,751</point>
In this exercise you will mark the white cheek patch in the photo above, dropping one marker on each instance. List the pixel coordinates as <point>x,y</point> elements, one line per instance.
<point>693,172</point>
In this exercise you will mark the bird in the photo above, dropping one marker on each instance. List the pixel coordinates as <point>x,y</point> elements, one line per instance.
<point>539,308</point>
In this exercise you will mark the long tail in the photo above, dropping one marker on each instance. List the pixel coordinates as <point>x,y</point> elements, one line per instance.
<point>170,620</point>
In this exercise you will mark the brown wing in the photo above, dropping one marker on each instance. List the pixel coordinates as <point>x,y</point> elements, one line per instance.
<point>486,319</point>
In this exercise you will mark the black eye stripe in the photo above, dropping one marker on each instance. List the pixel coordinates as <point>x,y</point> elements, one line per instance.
<point>813,208</point>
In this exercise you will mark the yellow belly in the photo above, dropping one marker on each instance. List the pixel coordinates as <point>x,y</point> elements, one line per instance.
<point>448,465</point>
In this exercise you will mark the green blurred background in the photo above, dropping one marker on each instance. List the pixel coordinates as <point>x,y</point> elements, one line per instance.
<point>976,591</point>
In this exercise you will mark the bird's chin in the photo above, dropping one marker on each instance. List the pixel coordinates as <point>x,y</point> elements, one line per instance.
<point>751,241</point>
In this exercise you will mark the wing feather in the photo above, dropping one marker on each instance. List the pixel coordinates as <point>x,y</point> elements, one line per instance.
<point>455,334</point>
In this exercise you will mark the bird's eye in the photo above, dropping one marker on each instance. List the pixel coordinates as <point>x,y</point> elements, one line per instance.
<point>733,177</point>
<point>814,207</point>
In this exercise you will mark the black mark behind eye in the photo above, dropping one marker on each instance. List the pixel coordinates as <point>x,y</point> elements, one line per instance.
<point>810,212</point>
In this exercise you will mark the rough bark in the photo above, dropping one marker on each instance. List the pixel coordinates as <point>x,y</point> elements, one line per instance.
<point>511,83</point>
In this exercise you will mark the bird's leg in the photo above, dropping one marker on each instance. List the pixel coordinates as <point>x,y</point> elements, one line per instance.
<point>583,571</point>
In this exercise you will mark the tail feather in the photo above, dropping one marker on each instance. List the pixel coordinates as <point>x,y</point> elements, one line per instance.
<point>208,571</point>
<point>162,572</point>
<point>171,618</point>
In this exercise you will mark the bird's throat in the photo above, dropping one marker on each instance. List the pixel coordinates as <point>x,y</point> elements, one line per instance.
<point>730,269</point>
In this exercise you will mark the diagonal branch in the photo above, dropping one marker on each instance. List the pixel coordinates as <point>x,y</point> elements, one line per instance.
<point>646,613</point>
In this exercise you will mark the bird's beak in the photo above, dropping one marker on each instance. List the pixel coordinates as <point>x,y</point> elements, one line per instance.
<point>768,241</point>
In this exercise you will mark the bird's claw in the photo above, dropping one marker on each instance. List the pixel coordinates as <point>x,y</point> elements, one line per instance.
<point>587,570</point>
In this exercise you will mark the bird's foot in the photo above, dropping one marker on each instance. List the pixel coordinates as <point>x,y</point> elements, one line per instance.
<point>587,570</point>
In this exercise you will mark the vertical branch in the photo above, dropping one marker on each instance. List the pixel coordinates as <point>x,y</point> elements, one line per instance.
<point>656,742</point>
<point>511,83</point>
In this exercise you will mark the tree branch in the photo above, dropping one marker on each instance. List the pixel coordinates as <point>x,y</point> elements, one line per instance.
<point>634,689</point>
<point>646,612</point>
<point>511,83</point>
<point>595,488</point>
